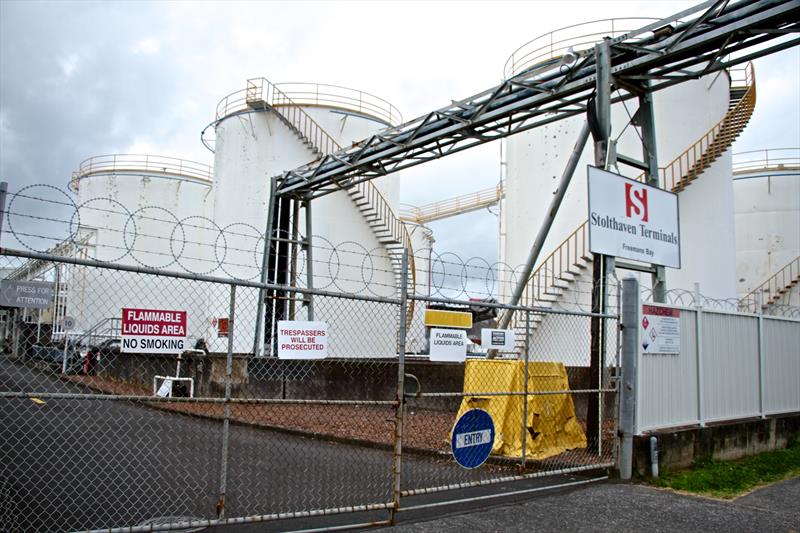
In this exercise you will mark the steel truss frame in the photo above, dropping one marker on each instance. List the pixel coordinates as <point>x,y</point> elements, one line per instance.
<point>682,47</point>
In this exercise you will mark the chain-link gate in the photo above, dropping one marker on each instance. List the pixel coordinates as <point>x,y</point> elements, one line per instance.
<point>94,437</point>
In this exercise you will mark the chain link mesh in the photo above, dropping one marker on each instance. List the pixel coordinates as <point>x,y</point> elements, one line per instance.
<point>92,438</point>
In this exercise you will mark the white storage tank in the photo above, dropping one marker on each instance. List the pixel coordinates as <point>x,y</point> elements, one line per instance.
<point>766,186</point>
<point>536,159</point>
<point>266,129</point>
<point>141,210</point>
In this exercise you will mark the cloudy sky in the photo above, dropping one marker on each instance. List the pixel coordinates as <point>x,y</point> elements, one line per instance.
<point>79,79</point>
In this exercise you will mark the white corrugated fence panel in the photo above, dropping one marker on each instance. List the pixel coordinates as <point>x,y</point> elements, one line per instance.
<point>730,366</point>
<point>668,383</point>
<point>781,365</point>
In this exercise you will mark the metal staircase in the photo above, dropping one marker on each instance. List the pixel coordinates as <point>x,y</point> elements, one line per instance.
<point>561,269</point>
<point>107,328</point>
<point>389,230</point>
<point>773,289</point>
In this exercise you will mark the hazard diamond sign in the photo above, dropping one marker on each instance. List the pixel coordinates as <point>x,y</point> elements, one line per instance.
<point>153,331</point>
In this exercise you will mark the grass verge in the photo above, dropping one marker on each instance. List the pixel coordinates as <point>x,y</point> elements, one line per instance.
<point>729,479</point>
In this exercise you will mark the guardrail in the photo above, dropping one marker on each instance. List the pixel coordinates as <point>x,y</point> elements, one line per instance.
<point>318,94</point>
<point>261,91</point>
<point>767,159</point>
<point>156,164</point>
<point>453,206</point>
<point>577,37</point>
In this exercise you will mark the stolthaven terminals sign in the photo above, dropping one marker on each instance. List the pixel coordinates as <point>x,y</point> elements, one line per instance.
<point>632,220</point>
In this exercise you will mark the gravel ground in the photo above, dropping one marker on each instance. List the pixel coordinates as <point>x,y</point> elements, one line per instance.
<point>425,430</point>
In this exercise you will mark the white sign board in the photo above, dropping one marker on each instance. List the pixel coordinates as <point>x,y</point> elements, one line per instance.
<point>26,294</point>
<point>448,345</point>
<point>661,330</point>
<point>153,331</point>
<point>299,339</point>
<point>497,339</point>
<point>632,220</point>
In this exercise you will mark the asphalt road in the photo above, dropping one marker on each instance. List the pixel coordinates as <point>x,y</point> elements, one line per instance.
<point>625,508</point>
<point>69,464</point>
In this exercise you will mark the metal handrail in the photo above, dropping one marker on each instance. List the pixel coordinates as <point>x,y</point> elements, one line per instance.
<point>702,153</point>
<point>773,288</point>
<point>555,44</point>
<point>156,164</point>
<point>693,161</point>
<point>318,94</point>
<point>336,96</point>
<point>261,91</point>
<point>766,159</point>
<point>453,206</point>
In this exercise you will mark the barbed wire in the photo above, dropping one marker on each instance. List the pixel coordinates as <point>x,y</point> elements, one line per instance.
<point>44,218</point>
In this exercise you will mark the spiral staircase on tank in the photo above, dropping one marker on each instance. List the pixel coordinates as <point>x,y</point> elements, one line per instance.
<point>565,265</point>
<point>388,229</point>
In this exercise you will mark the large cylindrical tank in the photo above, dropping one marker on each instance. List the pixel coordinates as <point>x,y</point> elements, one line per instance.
<point>536,159</point>
<point>141,210</point>
<point>266,129</point>
<point>766,185</point>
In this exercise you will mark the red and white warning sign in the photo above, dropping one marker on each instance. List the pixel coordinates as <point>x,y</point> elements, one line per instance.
<point>153,331</point>
<point>661,330</point>
<point>302,340</point>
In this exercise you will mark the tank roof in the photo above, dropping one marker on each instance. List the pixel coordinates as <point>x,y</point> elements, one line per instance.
<point>150,164</point>
<point>546,48</point>
<point>260,91</point>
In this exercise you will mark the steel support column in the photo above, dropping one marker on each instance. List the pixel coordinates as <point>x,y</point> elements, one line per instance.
<point>646,119</point>
<point>258,334</point>
<point>309,245</point>
<point>601,264</point>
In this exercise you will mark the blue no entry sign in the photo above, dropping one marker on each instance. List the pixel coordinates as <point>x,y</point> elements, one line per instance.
<point>473,438</point>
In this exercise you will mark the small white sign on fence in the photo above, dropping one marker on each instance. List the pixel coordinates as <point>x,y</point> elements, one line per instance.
<point>661,330</point>
<point>299,339</point>
<point>448,345</point>
<point>497,339</point>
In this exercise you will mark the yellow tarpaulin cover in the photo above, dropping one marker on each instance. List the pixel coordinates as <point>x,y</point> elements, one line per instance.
<point>551,425</point>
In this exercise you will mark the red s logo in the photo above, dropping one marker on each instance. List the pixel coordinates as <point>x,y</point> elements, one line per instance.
<point>635,202</point>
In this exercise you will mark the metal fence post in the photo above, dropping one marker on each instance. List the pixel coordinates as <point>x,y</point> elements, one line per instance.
<point>399,417</point>
<point>630,350</point>
<point>223,470</point>
<point>3,194</point>
<point>700,378</point>
<point>525,390</point>
<point>761,368</point>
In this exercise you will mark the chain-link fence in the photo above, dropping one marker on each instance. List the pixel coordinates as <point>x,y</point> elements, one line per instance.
<point>96,436</point>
